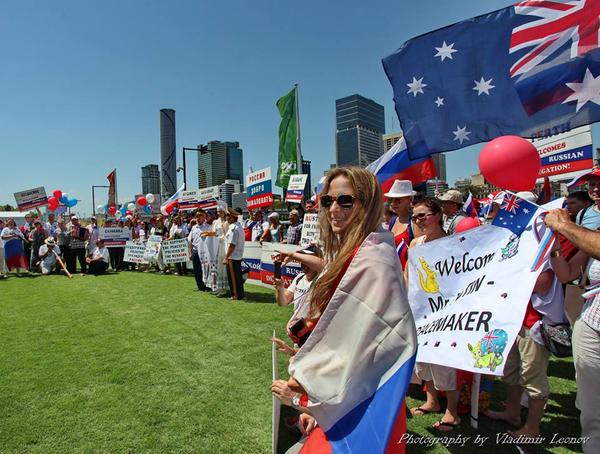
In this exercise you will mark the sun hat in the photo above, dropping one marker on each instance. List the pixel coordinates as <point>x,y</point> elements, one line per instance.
<point>273,215</point>
<point>50,241</point>
<point>401,188</point>
<point>452,195</point>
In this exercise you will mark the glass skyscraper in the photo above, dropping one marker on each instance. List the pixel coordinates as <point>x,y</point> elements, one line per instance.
<point>360,125</point>
<point>220,161</point>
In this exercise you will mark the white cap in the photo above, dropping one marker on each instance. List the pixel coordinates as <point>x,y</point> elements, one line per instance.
<point>273,215</point>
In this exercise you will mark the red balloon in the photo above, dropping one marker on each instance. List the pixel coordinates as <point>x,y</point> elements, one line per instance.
<point>510,162</point>
<point>128,213</point>
<point>52,203</point>
<point>57,194</point>
<point>467,224</point>
<point>169,208</point>
<point>112,210</point>
<point>141,201</point>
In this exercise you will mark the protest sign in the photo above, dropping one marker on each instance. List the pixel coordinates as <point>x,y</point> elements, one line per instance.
<point>251,261</point>
<point>175,251</point>
<point>152,248</point>
<point>205,198</point>
<point>311,233</point>
<point>267,266</point>
<point>565,155</point>
<point>134,252</point>
<point>259,192</point>
<point>295,189</point>
<point>31,198</point>
<point>467,304</point>
<point>114,236</point>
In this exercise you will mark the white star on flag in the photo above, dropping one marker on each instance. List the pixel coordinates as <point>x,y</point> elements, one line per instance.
<point>525,210</point>
<point>483,86</point>
<point>586,91</point>
<point>445,51</point>
<point>461,134</point>
<point>439,101</point>
<point>416,86</point>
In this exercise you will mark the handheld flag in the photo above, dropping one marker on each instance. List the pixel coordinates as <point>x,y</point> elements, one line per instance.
<point>14,254</point>
<point>515,214</point>
<point>396,164</point>
<point>167,207</point>
<point>288,138</point>
<point>536,73</point>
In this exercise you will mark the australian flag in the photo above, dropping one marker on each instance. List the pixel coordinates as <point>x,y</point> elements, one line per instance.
<point>532,69</point>
<point>515,214</point>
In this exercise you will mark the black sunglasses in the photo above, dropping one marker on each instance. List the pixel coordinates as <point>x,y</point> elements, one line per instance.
<point>421,216</point>
<point>344,200</point>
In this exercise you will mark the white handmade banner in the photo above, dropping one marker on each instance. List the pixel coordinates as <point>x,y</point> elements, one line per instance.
<point>311,232</point>
<point>295,189</point>
<point>175,251</point>
<point>114,236</point>
<point>134,252</point>
<point>468,293</point>
<point>205,198</point>
<point>153,248</point>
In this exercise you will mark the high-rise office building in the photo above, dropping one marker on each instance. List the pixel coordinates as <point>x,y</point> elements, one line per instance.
<point>150,179</point>
<point>389,140</point>
<point>227,189</point>
<point>306,171</point>
<point>439,161</point>
<point>168,156</point>
<point>220,161</point>
<point>360,125</point>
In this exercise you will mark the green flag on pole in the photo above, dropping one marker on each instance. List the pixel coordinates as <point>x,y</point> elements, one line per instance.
<point>288,138</point>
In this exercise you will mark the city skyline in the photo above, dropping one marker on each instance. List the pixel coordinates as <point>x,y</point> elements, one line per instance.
<point>78,101</point>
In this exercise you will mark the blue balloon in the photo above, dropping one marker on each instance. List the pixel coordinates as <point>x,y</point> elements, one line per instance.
<point>71,203</point>
<point>64,200</point>
<point>148,209</point>
<point>123,210</point>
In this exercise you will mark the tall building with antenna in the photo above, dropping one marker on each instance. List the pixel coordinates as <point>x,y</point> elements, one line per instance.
<point>168,155</point>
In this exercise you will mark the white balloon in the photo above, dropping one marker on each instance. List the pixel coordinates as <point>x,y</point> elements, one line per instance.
<point>150,198</point>
<point>100,209</point>
<point>131,206</point>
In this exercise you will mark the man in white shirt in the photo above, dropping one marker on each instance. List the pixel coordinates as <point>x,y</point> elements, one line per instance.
<point>196,246</point>
<point>51,225</point>
<point>234,240</point>
<point>48,255</point>
<point>94,235</point>
<point>99,259</point>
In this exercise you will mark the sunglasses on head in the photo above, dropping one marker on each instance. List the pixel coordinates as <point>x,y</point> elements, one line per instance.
<point>421,216</point>
<point>343,200</point>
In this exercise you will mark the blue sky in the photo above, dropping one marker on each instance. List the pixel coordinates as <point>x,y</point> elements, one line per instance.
<point>83,82</point>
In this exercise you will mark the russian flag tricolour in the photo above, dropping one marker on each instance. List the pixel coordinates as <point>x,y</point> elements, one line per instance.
<point>357,363</point>
<point>396,164</point>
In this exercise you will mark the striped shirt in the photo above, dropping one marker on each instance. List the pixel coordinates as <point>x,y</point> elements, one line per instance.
<point>591,309</point>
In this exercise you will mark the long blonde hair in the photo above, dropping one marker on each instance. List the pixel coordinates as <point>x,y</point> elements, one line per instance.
<point>339,248</point>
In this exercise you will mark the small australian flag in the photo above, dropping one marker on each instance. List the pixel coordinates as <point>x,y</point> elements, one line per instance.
<point>515,214</point>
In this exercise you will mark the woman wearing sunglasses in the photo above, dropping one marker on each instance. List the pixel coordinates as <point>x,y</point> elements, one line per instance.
<point>400,197</point>
<point>362,324</point>
<point>427,215</point>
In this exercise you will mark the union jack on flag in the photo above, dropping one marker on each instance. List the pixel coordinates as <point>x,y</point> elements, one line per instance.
<point>511,204</point>
<point>536,74</point>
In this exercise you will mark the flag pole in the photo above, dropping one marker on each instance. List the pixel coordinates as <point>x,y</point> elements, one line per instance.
<point>298,149</point>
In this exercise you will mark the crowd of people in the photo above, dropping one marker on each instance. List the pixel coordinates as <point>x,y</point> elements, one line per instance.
<point>412,220</point>
<point>352,209</point>
<point>53,244</point>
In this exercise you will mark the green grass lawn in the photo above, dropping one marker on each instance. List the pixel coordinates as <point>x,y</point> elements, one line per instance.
<point>136,362</point>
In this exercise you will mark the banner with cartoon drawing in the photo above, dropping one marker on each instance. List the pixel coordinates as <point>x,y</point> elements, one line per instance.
<point>468,293</point>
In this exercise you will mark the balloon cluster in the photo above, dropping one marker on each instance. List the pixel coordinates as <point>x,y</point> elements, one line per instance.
<point>143,202</point>
<point>59,197</point>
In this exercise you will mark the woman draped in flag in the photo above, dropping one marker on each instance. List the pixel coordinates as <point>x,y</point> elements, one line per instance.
<point>427,214</point>
<point>14,253</point>
<point>352,372</point>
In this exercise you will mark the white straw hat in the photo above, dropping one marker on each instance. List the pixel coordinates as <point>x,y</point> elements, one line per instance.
<point>401,188</point>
